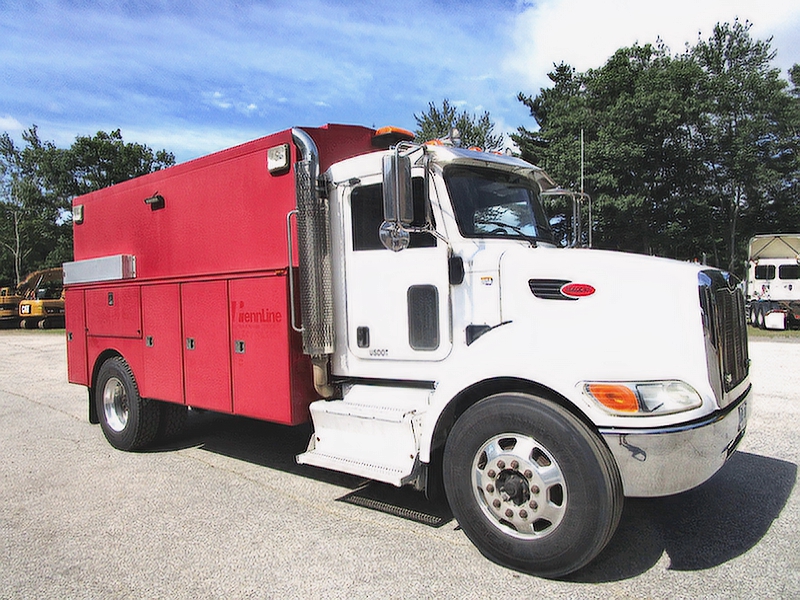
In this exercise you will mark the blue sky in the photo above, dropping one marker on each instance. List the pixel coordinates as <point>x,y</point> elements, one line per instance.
<point>197,76</point>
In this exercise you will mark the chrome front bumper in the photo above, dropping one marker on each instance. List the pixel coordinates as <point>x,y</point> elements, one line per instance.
<point>669,460</point>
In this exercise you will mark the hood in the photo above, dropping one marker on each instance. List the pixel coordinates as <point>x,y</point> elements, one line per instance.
<point>628,314</point>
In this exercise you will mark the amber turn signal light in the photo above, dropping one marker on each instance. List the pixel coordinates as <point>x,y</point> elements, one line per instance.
<point>618,398</point>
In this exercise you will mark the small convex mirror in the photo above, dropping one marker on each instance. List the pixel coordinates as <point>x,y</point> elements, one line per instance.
<point>393,236</point>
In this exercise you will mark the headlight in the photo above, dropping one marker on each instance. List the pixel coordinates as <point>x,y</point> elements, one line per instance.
<point>643,398</point>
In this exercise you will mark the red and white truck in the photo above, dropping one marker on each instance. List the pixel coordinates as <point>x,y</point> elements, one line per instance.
<point>411,301</point>
<point>773,281</point>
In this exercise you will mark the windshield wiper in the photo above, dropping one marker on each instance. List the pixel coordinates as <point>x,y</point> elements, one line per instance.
<point>503,227</point>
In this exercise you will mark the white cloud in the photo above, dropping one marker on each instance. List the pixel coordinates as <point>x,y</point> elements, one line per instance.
<point>195,77</point>
<point>188,142</point>
<point>584,33</point>
<point>11,125</point>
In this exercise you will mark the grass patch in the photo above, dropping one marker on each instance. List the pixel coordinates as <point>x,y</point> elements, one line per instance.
<point>18,331</point>
<point>786,335</point>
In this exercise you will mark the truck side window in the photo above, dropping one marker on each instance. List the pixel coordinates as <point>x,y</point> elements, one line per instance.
<point>366,204</point>
<point>765,272</point>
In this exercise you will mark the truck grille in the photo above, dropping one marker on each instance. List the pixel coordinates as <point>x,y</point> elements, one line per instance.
<point>723,307</point>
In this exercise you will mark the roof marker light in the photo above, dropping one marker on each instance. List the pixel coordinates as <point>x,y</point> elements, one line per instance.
<point>385,137</point>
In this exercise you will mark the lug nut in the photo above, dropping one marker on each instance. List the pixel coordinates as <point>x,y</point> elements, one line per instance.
<point>523,514</point>
<point>490,488</point>
<point>509,513</point>
<point>514,465</point>
<point>496,503</point>
<point>501,465</point>
<point>534,489</point>
<point>491,473</point>
<point>533,505</point>
<point>528,473</point>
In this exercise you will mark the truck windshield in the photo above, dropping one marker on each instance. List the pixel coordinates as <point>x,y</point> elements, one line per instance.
<point>494,203</point>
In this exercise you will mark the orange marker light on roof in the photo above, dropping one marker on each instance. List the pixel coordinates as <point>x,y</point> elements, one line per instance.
<point>395,130</point>
<point>386,137</point>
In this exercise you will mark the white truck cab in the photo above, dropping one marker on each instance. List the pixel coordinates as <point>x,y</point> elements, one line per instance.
<point>482,348</point>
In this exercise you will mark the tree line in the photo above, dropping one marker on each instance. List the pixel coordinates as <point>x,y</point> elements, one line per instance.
<point>684,155</point>
<point>38,182</point>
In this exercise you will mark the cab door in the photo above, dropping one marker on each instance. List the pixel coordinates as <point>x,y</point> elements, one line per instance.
<point>398,303</point>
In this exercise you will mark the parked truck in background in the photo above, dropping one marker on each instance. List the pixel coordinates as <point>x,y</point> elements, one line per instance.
<point>410,300</point>
<point>773,281</point>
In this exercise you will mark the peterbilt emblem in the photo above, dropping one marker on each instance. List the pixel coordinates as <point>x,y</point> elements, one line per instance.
<point>560,289</point>
<point>577,290</point>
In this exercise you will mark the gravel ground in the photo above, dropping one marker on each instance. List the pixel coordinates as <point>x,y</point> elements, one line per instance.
<point>226,512</point>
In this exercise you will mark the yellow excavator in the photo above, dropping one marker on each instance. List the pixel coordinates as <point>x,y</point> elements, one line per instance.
<point>9,306</point>
<point>41,300</point>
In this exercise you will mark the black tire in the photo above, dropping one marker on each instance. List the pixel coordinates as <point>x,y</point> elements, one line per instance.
<point>171,421</point>
<point>760,317</point>
<point>531,486</point>
<point>129,421</point>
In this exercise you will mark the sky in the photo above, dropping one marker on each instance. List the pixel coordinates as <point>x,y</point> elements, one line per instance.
<point>197,76</point>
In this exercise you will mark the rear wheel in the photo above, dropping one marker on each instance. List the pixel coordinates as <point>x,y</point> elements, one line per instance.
<point>129,421</point>
<point>760,320</point>
<point>531,486</point>
<point>171,421</point>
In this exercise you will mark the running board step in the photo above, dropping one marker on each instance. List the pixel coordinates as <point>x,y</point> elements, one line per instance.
<point>371,433</point>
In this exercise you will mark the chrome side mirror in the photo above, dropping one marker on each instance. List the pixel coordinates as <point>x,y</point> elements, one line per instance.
<point>398,206</point>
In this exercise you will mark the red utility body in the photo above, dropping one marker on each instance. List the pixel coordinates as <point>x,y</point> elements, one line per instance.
<point>205,320</point>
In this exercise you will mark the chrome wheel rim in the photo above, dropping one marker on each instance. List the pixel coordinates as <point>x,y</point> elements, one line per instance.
<point>115,405</point>
<point>519,486</point>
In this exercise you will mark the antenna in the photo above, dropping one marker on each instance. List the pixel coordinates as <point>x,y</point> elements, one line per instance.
<point>583,195</point>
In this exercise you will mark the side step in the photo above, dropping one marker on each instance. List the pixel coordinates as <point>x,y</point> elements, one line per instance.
<point>373,432</point>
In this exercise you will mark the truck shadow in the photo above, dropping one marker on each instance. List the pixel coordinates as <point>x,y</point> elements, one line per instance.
<point>698,529</point>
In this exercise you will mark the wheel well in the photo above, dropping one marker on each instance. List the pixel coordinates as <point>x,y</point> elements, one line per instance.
<point>473,394</point>
<point>94,418</point>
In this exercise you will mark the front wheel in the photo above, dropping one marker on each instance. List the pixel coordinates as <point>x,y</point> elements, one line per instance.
<point>129,421</point>
<point>531,486</point>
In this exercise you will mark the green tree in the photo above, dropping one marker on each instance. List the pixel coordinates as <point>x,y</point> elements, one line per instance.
<point>30,207</point>
<point>38,182</point>
<point>474,130</point>
<point>746,133</point>
<point>686,155</point>
<point>636,125</point>
<point>97,162</point>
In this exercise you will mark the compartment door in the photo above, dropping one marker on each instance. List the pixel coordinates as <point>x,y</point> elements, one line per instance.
<point>260,334</point>
<point>206,354</point>
<point>162,356</point>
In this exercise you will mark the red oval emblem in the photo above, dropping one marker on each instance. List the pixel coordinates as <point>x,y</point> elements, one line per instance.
<point>577,290</point>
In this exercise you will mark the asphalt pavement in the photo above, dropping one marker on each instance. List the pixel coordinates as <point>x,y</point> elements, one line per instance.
<point>225,512</point>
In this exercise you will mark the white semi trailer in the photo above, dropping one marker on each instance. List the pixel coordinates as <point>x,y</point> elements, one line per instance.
<point>773,281</point>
